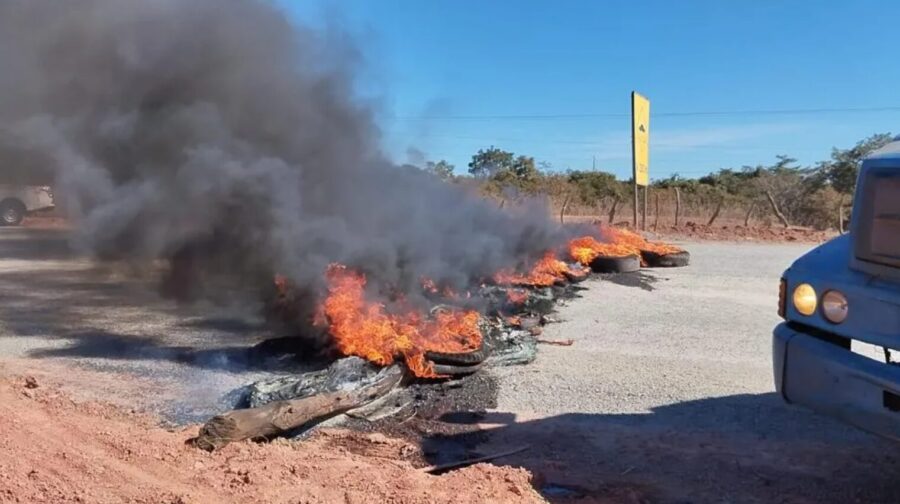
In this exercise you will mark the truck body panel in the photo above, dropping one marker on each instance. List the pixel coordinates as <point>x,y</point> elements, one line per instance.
<point>814,364</point>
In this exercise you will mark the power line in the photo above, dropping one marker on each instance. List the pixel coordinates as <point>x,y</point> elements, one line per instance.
<point>761,112</point>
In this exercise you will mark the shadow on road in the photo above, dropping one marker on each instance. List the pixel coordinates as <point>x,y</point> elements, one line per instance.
<point>100,344</point>
<point>113,310</point>
<point>741,448</point>
<point>34,244</point>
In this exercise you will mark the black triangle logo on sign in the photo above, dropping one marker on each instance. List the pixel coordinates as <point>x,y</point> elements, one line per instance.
<point>642,129</point>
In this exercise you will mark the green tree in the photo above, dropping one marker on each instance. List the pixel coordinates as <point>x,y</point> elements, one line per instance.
<point>525,170</point>
<point>442,169</point>
<point>488,163</point>
<point>505,169</point>
<point>842,169</point>
<point>594,186</point>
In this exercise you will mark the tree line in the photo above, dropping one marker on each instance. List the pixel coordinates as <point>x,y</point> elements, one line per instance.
<point>781,193</point>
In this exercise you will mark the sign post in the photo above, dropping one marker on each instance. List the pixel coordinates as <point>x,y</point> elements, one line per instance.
<point>640,151</point>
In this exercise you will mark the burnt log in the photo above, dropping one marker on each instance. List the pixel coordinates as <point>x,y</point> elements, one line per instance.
<point>284,416</point>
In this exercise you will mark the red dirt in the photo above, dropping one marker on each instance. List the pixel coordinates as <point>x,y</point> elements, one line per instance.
<point>46,222</point>
<point>693,231</point>
<point>58,450</point>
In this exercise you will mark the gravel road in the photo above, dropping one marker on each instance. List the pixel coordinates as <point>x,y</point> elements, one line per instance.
<point>665,396</point>
<point>668,394</point>
<point>691,333</point>
<point>62,309</point>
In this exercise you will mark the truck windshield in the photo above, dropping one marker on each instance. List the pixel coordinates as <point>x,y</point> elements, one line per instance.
<point>881,241</point>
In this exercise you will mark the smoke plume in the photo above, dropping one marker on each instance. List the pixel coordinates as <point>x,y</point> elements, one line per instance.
<point>221,128</point>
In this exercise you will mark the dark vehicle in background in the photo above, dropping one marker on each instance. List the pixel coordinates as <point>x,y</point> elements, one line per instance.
<point>842,295</point>
<point>17,201</point>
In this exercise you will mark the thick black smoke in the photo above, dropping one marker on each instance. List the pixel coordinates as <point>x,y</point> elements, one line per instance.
<point>218,132</point>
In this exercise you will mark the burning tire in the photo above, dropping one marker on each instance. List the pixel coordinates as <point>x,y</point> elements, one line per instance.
<point>466,359</point>
<point>577,277</point>
<point>451,370</point>
<point>674,260</point>
<point>625,264</point>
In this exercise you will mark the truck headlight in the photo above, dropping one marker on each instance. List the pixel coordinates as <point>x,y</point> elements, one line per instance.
<point>805,300</point>
<point>835,307</point>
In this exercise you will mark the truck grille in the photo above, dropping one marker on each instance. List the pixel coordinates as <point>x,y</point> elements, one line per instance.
<point>880,233</point>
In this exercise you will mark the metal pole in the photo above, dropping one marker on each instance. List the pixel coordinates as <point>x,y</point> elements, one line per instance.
<point>636,202</point>
<point>646,203</point>
<point>634,164</point>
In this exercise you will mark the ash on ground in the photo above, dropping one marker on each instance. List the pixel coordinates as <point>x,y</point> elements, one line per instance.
<point>422,413</point>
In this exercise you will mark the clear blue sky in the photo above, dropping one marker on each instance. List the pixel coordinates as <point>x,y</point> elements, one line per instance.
<point>449,74</point>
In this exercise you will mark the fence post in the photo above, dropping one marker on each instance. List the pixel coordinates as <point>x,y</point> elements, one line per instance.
<point>775,209</point>
<point>562,211</point>
<point>656,220</point>
<point>677,204</point>
<point>749,213</point>
<point>612,211</point>
<point>715,214</point>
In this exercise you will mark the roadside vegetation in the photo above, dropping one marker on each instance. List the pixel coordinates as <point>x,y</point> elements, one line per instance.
<point>782,193</point>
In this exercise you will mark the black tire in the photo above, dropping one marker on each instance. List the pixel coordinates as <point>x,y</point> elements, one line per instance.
<point>626,264</point>
<point>676,260</point>
<point>576,278</point>
<point>460,359</point>
<point>12,212</point>
<point>450,370</point>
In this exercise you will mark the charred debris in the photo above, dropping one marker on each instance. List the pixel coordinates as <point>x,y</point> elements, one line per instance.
<point>423,380</point>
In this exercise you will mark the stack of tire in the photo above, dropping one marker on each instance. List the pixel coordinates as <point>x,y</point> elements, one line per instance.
<point>632,263</point>
<point>458,364</point>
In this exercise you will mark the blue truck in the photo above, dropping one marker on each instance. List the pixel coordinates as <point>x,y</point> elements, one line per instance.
<point>844,291</point>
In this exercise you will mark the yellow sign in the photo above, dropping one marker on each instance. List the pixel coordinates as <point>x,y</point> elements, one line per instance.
<point>640,138</point>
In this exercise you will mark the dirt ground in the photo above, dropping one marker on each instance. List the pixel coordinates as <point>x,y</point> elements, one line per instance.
<point>663,398</point>
<point>737,232</point>
<point>56,449</point>
<point>729,230</point>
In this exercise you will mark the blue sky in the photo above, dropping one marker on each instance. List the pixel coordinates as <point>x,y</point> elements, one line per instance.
<point>452,77</point>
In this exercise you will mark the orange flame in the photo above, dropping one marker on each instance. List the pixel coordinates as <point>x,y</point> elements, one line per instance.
<point>369,330</point>
<point>619,243</point>
<point>366,329</point>
<point>626,237</point>
<point>546,272</point>
<point>587,248</point>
